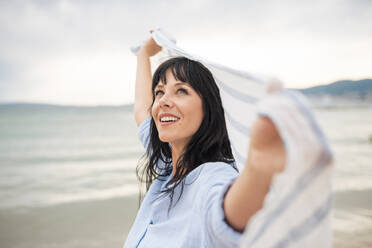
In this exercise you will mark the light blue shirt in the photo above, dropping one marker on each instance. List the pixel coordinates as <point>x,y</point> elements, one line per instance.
<point>196,220</point>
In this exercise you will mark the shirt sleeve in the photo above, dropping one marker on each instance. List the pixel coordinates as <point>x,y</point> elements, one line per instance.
<point>144,132</point>
<point>144,137</point>
<point>218,232</point>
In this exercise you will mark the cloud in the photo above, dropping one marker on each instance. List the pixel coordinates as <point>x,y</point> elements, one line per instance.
<point>78,51</point>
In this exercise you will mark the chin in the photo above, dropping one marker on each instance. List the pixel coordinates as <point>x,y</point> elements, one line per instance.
<point>164,138</point>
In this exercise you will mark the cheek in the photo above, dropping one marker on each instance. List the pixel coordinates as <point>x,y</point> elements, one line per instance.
<point>200,111</point>
<point>200,116</point>
<point>197,114</point>
<point>154,109</point>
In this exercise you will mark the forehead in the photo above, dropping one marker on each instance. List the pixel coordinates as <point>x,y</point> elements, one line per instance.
<point>170,80</point>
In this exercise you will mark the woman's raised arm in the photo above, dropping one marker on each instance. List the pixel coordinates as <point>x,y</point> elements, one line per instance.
<point>266,157</point>
<point>143,94</point>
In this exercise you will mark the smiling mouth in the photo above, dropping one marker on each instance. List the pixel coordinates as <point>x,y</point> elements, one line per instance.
<point>168,119</point>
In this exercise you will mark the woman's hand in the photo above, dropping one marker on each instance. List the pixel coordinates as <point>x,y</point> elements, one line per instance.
<point>149,48</point>
<point>266,154</point>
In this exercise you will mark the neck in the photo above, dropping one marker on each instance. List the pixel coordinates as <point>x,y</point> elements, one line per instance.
<point>177,150</point>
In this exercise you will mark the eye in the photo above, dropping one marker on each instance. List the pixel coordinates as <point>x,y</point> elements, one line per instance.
<point>158,92</point>
<point>182,91</point>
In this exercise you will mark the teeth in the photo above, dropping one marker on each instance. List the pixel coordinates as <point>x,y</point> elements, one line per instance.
<point>168,118</point>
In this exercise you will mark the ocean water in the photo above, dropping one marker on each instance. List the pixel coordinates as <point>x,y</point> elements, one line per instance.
<point>51,154</point>
<point>54,154</point>
<point>349,132</point>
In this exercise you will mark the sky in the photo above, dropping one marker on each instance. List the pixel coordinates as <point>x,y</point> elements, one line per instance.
<point>78,52</point>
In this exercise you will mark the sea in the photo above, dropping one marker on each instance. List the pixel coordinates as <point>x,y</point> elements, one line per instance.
<point>53,154</point>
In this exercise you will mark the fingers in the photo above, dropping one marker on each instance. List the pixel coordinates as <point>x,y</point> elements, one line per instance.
<point>264,126</point>
<point>263,132</point>
<point>266,151</point>
<point>149,47</point>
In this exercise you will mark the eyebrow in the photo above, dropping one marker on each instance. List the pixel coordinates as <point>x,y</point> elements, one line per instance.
<point>182,83</point>
<point>161,85</point>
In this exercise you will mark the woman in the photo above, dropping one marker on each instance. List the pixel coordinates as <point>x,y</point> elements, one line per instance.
<point>195,197</point>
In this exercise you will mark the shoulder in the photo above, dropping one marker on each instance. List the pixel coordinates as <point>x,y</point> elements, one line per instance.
<point>211,173</point>
<point>217,168</point>
<point>144,127</point>
<point>211,181</point>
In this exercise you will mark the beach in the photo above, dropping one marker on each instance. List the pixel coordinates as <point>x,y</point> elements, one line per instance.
<point>67,175</point>
<point>106,223</point>
<point>352,219</point>
<point>97,223</point>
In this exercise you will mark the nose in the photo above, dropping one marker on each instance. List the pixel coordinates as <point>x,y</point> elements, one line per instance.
<point>165,101</point>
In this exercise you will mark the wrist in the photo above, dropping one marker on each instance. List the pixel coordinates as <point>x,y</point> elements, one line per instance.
<point>258,177</point>
<point>143,53</point>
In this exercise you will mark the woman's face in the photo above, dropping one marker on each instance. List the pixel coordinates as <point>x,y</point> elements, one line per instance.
<point>177,111</point>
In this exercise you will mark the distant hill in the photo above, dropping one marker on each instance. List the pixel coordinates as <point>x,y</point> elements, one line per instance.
<point>346,89</point>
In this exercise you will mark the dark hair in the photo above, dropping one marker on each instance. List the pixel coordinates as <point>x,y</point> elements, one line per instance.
<point>210,143</point>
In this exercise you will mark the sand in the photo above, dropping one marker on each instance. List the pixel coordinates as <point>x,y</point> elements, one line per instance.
<point>102,223</point>
<point>352,219</point>
<point>105,223</point>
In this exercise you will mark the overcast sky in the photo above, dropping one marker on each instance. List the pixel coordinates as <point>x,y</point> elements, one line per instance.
<point>77,52</point>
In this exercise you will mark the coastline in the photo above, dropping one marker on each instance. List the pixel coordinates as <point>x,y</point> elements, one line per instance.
<point>106,223</point>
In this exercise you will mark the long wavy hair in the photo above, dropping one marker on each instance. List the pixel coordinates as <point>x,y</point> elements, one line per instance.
<point>210,143</point>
